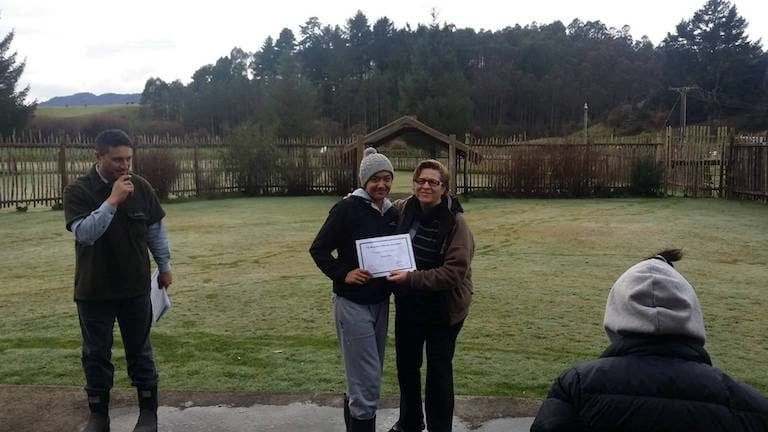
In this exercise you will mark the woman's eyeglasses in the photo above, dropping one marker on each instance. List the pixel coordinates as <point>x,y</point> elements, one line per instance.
<point>431,182</point>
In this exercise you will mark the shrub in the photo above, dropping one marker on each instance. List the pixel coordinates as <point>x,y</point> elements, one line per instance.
<point>208,183</point>
<point>87,126</point>
<point>646,179</point>
<point>338,171</point>
<point>521,174</point>
<point>629,119</point>
<point>160,169</point>
<point>343,181</point>
<point>91,125</point>
<point>296,178</point>
<point>570,171</point>
<point>252,158</point>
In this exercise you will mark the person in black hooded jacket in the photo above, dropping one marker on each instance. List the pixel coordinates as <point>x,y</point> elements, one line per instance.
<point>656,374</point>
<point>360,302</point>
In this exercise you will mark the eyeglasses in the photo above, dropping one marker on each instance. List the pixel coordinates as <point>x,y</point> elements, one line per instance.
<point>431,182</point>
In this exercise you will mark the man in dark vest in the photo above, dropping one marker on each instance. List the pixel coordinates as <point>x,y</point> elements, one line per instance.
<point>116,219</point>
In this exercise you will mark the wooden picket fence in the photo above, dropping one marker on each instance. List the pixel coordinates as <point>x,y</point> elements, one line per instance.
<point>747,176</point>
<point>559,167</point>
<point>316,165</point>
<point>694,162</point>
<point>34,170</point>
<point>701,162</point>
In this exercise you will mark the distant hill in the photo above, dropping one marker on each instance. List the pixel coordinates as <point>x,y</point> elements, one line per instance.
<point>92,99</point>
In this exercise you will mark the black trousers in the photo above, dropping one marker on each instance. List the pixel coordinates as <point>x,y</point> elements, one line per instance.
<point>411,334</point>
<point>97,321</point>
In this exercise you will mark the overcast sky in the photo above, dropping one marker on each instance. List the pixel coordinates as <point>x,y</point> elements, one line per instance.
<point>103,46</point>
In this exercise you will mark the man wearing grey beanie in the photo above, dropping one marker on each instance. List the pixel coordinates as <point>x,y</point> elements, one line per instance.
<point>655,375</point>
<point>360,302</point>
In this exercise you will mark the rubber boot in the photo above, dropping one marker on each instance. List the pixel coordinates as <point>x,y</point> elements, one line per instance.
<point>98,419</point>
<point>147,410</point>
<point>398,427</point>
<point>357,425</point>
<point>347,415</point>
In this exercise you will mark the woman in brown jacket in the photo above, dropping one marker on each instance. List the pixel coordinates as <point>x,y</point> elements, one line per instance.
<point>432,301</point>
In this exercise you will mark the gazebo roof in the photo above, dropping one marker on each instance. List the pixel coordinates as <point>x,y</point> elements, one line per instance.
<point>416,131</point>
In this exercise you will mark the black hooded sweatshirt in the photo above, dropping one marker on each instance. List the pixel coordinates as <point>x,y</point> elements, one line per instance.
<point>351,219</point>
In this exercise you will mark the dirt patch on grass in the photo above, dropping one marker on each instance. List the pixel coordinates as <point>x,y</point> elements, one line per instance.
<point>52,408</point>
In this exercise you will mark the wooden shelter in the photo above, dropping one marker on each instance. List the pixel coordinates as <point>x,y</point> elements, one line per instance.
<point>416,133</point>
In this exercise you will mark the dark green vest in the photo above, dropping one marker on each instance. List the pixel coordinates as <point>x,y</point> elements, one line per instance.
<point>116,266</point>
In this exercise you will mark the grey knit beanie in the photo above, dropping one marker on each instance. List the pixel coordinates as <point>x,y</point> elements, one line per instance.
<point>653,298</point>
<point>372,163</point>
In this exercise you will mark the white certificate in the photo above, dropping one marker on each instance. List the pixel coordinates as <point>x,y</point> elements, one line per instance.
<point>159,298</point>
<point>383,255</point>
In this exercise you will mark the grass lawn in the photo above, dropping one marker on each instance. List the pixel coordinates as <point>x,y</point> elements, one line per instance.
<point>252,312</point>
<point>123,110</point>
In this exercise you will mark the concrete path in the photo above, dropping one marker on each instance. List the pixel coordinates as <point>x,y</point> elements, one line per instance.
<point>64,409</point>
<point>281,418</point>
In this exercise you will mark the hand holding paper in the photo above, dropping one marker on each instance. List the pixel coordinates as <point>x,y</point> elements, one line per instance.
<point>159,297</point>
<point>384,255</point>
<point>398,277</point>
<point>165,279</point>
<point>358,276</point>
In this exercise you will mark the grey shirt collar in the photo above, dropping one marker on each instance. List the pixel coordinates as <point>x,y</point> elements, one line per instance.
<point>98,171</point>
<point>360,192</point>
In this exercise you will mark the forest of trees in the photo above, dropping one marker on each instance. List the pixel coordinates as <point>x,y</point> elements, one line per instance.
<point>534,79</point>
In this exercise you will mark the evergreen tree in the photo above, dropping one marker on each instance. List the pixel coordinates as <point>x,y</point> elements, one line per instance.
<point>221,95</point>
<point>435,89</point>
<point>14,111</point>
<point>155,101</point>
<point>292,102</point>
<point>359,48</point>
<point>285,43</point>
<point>264,64</point>
<point>711,50</point>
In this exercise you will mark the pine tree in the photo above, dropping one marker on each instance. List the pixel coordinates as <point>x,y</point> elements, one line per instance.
<point>712,51</point>
<point>14,112</point>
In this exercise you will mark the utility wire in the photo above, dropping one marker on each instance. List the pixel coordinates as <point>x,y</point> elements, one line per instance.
<point>666,121</point>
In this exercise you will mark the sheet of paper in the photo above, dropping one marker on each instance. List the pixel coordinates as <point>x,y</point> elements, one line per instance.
<point>160,300</point>
<point>383,255</point>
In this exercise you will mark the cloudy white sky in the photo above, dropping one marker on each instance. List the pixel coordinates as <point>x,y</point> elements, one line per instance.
<point>105,46</point>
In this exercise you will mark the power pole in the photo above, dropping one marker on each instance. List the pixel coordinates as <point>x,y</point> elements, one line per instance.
<point>586,123</point>
<point>683,106</point>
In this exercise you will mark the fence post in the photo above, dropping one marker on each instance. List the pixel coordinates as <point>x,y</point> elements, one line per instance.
<point>196,167</point>
<point>306,181</point>
<point>62,159</point>
<point>466,175</point>
<point>667,159</point>
<point>452,163</point>
<point>765,170</point>
<point>136,144</point>
<point>360,148</point>
<point>729,180</point>
<point>724,145</point>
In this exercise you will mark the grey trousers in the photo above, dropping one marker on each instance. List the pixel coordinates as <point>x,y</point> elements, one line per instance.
<point>362,333</point>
